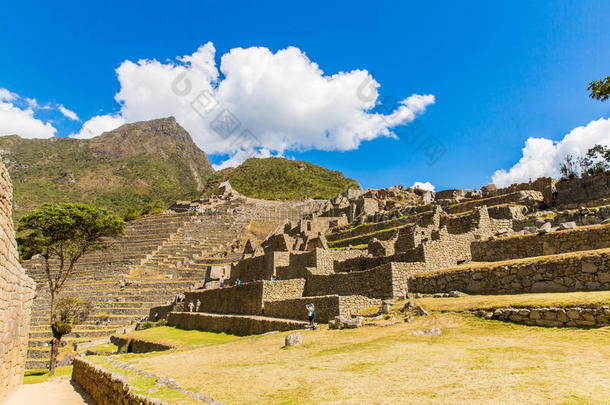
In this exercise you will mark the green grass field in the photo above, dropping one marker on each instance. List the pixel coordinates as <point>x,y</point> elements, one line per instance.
<point>38,376</point>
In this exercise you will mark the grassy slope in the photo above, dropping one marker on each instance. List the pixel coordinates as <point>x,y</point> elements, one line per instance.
<point>279,178</point>
<point>181,338</point>
<point>474,361</point>
<point>131,166</point>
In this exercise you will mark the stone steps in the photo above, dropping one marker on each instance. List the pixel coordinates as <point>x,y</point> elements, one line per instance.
<point>40,332</point>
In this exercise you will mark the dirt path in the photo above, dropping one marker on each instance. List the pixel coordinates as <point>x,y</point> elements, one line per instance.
<point>57,391</point>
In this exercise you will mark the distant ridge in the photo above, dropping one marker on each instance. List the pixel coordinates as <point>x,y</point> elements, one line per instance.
<point>279,178</point>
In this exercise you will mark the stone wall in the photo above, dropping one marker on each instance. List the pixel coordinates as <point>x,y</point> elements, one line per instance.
<point>596,316</point>
<point>327,307</point>
<point>587,189</point>
<point>247,298</point>
<point>241,325</point>
<point>585,238</point>
<point>259,267</point>
<point>527,197</point>
<point>130,345</point>
<point>386,281</point>
<point>282,289</point>
<point>242,299</point>
<point>543,185</point>
<point>161,312</point>
<point>107,388</point>
<point>566,272</point>
<point>319,260</point>
<point>16,295</point>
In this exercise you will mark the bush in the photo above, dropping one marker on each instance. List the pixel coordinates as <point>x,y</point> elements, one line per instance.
<point>150,324</point>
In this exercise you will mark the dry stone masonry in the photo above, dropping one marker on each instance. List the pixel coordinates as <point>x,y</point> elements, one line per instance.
<point>16,295</point>
<point>362,247</point>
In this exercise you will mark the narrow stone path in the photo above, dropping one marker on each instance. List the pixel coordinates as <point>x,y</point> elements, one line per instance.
<point>57,391</point>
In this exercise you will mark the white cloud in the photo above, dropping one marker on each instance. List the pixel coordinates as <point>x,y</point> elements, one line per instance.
<point>18,120</point>
<point>542,157</point>
<point>241,155</point>
<point>68,113</point>
<point>98,125</point>
<point>6,95</point>
<point>427,186</point>
<point>283,99</point>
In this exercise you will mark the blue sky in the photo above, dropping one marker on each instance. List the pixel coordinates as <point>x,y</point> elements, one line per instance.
<point>500,72</point>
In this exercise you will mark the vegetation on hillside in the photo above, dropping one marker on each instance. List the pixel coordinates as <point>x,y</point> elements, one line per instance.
<point>133,170</point>
<point>279,178</point>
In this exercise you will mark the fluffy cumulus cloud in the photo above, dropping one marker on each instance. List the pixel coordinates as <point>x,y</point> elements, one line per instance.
<point>427,186</point>
<point>542,157</point>
<point>257,102</point>
<point>17,117</point>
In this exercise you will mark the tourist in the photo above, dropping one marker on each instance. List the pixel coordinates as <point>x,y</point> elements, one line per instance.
<point>222,284</point>
<point>554,194</point>
<point>197,306</point>
<point>191,305</point>
<point>238,282</point>
<point>311,312</point>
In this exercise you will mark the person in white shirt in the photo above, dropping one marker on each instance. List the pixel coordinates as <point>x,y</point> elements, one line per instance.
<point>311,311</point>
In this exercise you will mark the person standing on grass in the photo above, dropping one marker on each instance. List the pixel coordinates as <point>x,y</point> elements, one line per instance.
<point>311,312</point>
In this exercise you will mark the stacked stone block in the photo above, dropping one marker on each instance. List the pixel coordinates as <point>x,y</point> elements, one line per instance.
<point>16,295</point>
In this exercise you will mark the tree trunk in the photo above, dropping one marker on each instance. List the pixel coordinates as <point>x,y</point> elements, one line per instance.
<point>54,341</point>
<point>54,352</point>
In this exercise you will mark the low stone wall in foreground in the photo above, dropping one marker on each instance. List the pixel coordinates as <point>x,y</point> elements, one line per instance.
<point>107,388</point>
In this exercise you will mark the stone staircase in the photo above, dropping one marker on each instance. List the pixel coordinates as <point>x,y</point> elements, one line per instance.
<point>158,257</point>
<point>103,279</point>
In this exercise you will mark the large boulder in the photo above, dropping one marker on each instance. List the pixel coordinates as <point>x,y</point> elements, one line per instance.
<point>293,339</point>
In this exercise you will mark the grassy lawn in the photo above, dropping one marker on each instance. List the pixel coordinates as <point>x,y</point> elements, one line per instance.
<point>472,302</point>
<point>474,361</point>
<point>180,338</point>
<point>38,376</point>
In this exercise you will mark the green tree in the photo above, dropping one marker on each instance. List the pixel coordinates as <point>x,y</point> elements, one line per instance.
<point>69,310</point>
<point>595,162</point>
<point>600,89</point>
<point>61,234</point>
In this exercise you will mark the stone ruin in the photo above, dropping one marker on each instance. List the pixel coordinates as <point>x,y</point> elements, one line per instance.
<point>16,295</point>
<point>241,265</point>
<point>366,246</point>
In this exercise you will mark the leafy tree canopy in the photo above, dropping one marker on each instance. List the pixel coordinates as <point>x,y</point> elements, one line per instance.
<point>595,162</point>
<point>67,230</point>
<point>600,89</point>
